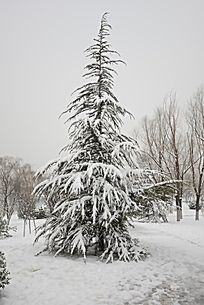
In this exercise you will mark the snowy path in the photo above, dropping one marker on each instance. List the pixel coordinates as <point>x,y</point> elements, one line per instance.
<point>173,274</point>
<point>179,261</point>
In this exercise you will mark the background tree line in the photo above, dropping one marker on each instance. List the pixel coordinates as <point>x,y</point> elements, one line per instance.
<point>16,187</point>
<point>172,143</point>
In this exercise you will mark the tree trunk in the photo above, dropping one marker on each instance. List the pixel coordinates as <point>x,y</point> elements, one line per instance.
<point>24,227</point>
<point>180,208</point>
<point>197,206</point>
<point>34,224</point>
<point>29,223</point>
<point>178,214</point>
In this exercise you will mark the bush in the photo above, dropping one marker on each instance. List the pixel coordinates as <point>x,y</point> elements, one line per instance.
<point>4,274</point>
<point>192,206</point>
<point>40,214</point>
<point>154,204</point>
<point>4,228</point>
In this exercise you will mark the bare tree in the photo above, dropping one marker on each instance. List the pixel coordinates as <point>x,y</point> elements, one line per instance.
<point>176,149</point>
<point>26,199</point>
<point>154,139</point>
<point>9,185</point>
<point>47,198</point>
<point>195,118</point>
<point>165,146</point>
<point>26,184</point>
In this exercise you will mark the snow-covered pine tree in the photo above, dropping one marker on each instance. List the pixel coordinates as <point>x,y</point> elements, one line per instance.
<point>4,279</point>
<point>92,185</point>
<point>4,228</point>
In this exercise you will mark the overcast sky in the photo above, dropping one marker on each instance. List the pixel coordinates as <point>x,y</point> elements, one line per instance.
<point>42,61</point>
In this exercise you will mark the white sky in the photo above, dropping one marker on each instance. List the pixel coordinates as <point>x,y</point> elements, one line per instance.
<point>42,61</point>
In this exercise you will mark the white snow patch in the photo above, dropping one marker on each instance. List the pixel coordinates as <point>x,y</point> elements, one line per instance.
<point>173,274</point>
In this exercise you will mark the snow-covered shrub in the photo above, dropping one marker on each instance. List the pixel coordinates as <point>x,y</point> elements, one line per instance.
<point>92,186</point>
<point>40,214</point>
<point>192,205</point>
<point>4,274</point>
<point>155,203</point>
<point>4,228</point>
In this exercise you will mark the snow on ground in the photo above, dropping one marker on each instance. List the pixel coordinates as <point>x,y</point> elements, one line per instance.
<point>172,275</point>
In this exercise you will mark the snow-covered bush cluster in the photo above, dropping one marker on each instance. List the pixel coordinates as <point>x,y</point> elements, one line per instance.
<point>155,202</point>
<point>4,274</point>
<point>4,279</point>
<point>4,228</point>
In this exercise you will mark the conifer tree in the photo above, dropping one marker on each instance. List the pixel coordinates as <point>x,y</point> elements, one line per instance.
<point>92,185</point>
<point>4,279</point>
<point>4,228</point>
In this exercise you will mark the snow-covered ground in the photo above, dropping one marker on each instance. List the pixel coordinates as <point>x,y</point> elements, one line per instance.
<point>173,274</point>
